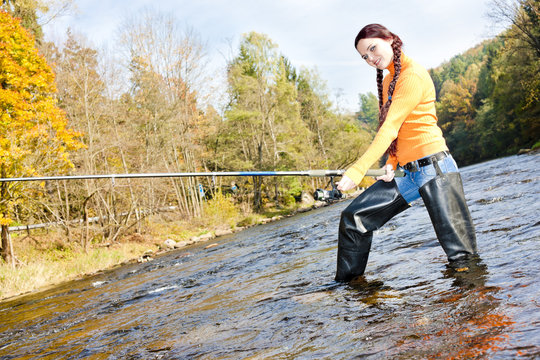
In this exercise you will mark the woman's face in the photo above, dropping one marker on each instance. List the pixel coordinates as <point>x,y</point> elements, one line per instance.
<point>376,51</point>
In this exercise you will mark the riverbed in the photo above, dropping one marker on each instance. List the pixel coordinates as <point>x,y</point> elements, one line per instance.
<point>268,292</point>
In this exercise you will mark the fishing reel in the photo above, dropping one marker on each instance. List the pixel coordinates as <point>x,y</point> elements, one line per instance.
<point>328,195</point>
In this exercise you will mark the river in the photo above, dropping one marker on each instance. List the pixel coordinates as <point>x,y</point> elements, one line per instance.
<point>268,292</point>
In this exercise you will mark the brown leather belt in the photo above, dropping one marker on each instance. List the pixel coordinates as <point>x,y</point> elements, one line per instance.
<point>416,165</point>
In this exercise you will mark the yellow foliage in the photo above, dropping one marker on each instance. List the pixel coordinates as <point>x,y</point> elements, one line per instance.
<point>220,210</point>
<point>31,123</point>
<point>4,220</point>
<point>34,135</point>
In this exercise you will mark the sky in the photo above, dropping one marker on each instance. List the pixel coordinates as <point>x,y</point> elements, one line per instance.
<point>317,34</point>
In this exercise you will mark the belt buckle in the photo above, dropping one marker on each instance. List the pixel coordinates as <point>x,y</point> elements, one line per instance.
<point>411,167</point>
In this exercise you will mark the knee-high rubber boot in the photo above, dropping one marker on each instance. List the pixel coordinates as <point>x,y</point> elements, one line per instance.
<point>445,202</point>
<point>368,212</point>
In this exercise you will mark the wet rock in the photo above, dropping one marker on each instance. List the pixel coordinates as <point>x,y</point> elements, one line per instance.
<point>99,283</point>
<point>206,236</point>
<point>307,198</point>
<point>181,244</point>
<point>524,151</point>
<point>223,232</point>
<point>169,243</point>
<point>203,237</point>
<point>211,246</point>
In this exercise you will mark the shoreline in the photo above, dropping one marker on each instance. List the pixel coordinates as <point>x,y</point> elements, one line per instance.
<point>123,252</point>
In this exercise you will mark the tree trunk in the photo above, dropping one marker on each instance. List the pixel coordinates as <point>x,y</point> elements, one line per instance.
<point>257,181</point>
<point>7,250</point>
<point>185,193</point>
<point>85,233</point>
<point>257,199</point>
<point>276,192</point>
<point>67,215</point>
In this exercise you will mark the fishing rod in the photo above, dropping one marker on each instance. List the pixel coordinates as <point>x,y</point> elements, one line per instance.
<point>320,194</point>
<point>311,173</point>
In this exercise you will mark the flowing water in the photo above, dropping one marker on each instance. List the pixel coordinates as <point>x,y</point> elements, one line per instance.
<point>268,292</point>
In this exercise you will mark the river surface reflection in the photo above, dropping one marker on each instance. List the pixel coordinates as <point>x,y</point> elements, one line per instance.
<point>268,292</point>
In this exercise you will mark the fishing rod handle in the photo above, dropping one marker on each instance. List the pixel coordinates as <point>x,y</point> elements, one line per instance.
<point>381,172</point>
<point>322,173</point>
<point>370,172</point>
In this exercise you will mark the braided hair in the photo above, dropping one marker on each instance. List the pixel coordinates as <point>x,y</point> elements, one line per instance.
<point>379,31</point>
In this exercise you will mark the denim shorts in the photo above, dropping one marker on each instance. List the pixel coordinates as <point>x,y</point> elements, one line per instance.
<point>412,181</point>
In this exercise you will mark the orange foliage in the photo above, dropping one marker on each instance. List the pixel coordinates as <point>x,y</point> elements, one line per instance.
<point>34,137</point>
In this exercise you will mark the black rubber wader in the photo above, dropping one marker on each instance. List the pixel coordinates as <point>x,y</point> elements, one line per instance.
<point>368,212</point>
<point>445,202</point>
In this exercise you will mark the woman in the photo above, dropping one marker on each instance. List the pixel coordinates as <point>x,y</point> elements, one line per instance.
<point>409,134</point>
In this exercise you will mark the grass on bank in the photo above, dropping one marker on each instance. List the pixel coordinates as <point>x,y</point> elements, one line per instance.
<point>47,257</point>
<point>55,263</point>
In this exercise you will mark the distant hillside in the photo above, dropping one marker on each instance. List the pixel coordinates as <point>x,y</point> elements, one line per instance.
<point>487,99</point>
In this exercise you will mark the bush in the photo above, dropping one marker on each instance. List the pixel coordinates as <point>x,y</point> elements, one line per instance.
<point>221,210</point>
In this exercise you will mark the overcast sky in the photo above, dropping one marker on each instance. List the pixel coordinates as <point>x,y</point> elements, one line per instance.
<point>311,33</point>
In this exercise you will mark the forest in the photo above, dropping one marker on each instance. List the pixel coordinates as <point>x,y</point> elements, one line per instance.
<point>71,109</point>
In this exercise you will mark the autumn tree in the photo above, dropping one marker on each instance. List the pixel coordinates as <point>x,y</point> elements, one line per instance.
<point>517,89</point>
<point>166,68</point>
<point>27,11</point>
<point>34,137</point>
<point>30,12</point>
<point>489,96</point>
<point>524,18</point>
<point>82,95</point>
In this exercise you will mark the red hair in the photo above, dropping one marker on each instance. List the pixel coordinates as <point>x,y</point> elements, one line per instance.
<point>378,31</point>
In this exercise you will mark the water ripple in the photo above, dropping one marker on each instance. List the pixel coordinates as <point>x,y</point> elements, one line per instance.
<point>268,292</point>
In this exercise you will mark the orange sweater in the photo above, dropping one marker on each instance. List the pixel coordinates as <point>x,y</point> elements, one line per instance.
<point>411,118</point>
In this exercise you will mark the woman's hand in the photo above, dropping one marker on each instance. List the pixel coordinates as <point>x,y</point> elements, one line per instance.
<point>345,184</point>
<point>389,173</point>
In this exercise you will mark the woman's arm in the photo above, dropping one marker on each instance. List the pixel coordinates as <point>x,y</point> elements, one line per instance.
<point>347,184</point>
<point>407,95</point>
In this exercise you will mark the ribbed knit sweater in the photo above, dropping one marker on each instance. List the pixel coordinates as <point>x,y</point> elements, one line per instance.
<point>411,118</point>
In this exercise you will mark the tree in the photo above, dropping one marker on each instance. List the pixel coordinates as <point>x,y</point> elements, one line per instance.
<point>34,137</point>
<point>81,94</point>
<point>35,13</point>
<point>27,11</point>
<point>315,112</point>
<point>263,128</point>
<point>369,110</point>
<point>524,16</point>
<point>516,72</point>
<point>338,140</point>
<point>167,70</point>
